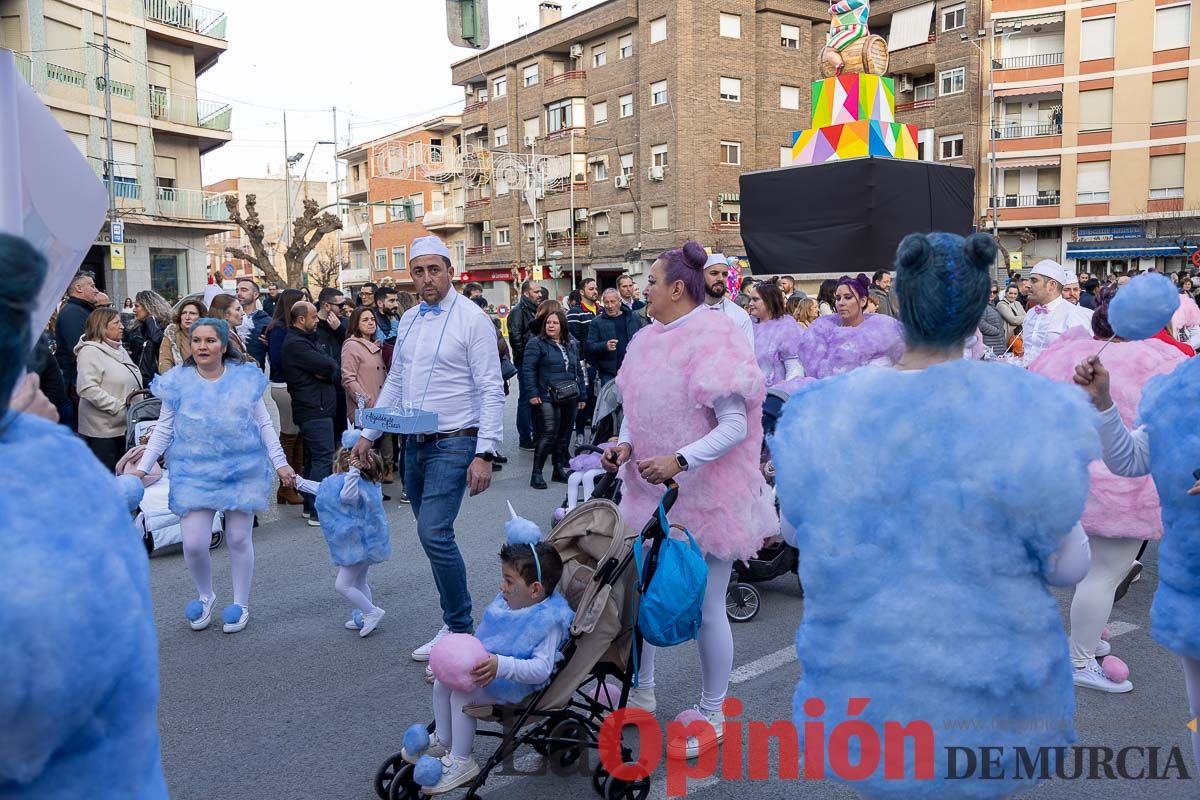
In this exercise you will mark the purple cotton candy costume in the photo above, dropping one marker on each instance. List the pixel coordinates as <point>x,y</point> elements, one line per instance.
<point>830,348</point>
<point>776,341</point>
<point>669,381</point>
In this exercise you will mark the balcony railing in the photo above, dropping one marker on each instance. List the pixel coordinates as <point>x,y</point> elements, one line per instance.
<point>186,16</point>
<point>482,250</point>
<point>119,89</point>
<point>564,239</point>
<point>125,189</point>
<point>1026,200</point>
<point>24,66</point>
<point>478,201</point>
<point>478,105</point>
<point>915,105</point>
<point>71,77</point>
<point>575,74</point>
<point>1028,131</point>
<point>732,225</point>
<point>1091,197</point>
<point>1166,194</point>
<point>192,204</point>
<point>563,187</point>
<point>1025,62</point>
<point>183,110</point>
<point>563,133</point>
<point>443,217</point>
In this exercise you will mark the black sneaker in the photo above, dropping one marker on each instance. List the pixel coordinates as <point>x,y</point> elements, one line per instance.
<point>403,498</point>
<point>500,458</point>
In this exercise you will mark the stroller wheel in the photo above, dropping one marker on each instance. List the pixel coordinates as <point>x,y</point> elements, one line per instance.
<point>627,790</point>
<point>566,743</point>
<point>741,602</point>
<point>600,779</point>
<point>148,541</point>
<point>403,787</point>
<point>387,774</point>
<point>217,538</point>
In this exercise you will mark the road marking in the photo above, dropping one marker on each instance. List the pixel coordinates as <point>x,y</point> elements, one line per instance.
<point>763,665</point>
<point>1116,629</point>
<point>658,788</point>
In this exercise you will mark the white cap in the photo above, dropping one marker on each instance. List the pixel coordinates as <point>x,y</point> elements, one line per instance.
<point>428,246</point>
<point>715,258</point>
<point>1054,271</point>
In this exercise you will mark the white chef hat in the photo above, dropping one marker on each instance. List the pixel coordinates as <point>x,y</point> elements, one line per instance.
<point>1054,271</point>
<point>715,258</point>
<point>428,246</point>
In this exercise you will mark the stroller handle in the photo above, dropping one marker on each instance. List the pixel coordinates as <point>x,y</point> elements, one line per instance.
<point>653,528</point>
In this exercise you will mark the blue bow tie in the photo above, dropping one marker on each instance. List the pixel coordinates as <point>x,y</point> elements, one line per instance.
<point>425,308</point>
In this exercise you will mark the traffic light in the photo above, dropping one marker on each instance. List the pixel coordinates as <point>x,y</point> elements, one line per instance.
<point>467,23</point>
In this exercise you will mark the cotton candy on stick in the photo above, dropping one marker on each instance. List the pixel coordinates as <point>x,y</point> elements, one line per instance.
<point>1142,308</point>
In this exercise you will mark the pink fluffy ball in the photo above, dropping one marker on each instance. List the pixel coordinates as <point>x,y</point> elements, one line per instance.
<point>454,658</point>
<point>1115,669</point>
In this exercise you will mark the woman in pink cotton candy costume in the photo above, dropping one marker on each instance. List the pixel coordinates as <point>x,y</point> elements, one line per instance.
<point>850,338</point>
<point>693,413</point>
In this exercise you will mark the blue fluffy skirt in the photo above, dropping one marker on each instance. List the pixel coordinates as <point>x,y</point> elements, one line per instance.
<point>357,533</point>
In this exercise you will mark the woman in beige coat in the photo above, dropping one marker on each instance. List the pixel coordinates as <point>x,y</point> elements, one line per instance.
<point>105,377</point>
<point>363,372</point>
<point>1011,312</point>
<point>176,343</point>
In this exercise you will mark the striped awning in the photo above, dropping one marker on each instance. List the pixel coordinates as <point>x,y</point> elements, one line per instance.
<point>1029,163</point>
<point>1028,90</point>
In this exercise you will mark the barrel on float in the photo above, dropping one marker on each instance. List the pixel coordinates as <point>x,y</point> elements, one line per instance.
<point>868,55</point>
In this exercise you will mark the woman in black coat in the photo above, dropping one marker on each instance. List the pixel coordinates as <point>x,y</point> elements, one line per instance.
<point>551,365</point>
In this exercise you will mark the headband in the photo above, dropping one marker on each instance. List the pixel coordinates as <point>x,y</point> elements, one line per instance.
<point>519,530</point>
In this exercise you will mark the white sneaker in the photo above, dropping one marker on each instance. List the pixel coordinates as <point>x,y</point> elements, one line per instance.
<point>313,522</point>
<point>204,609</point>
<point>422,652</point>
<point>370,621</point>
<point>691,746</point>
<point>643,697</point>
<point>1103,648</point>
<point>436,749</point>
<point>455,773</point>
<point>239,623</point>
<point>1092,677</point>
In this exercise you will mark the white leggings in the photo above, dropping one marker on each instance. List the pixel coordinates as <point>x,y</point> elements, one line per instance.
<point>715,641</point>
<point>454,728</point>
<point>580,486</point>
<point>197,535</point>
<point>1093,600</point>
<point>351,583</point>
<point>1191,674</point>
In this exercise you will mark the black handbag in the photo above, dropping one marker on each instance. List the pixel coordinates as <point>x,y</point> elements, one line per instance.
<point>508,369</point>
<point>564,392</point>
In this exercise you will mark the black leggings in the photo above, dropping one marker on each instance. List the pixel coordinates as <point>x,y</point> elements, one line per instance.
<point>555,423</point>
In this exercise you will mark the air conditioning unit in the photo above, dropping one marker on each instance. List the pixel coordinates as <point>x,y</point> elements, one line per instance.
<point>576,51</point>
<point>581,215</point>
<point>621,182</point>
<point>530,140</point>
<point>904,83</point>
<point>656,174</point>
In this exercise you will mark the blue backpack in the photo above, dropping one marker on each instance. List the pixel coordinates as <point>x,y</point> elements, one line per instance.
<point>671,583</point>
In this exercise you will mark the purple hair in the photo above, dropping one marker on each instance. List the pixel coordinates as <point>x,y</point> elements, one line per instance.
<point>1100,326</point>
<point>686,264</point>
<point>859,284</point>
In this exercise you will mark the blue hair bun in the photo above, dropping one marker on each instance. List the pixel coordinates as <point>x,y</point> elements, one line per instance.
<point>428,771</point>
<point>194,610</point>
<point>132,490</point>
<point>519,530</point>
<point>1143,307</point>
<point>350,437</point>
<point>416,739</point>
<point>232,613</point>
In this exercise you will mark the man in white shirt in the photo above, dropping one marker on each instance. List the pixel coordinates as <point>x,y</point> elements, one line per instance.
<point>445,363</point>
<point>716,287</point>
<point>1051,316</point>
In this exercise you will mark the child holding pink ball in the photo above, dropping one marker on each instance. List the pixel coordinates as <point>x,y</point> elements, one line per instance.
<point>512,654</point>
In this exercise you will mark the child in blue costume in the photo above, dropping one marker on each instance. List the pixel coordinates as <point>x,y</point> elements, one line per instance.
<point>79,694</point>
<point>915,562</point>
<point>350,507</point>
<point>522,629</point>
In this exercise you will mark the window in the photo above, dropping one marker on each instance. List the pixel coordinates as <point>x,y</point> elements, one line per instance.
<point>954,81</point>
<point>1095,110</point>
<point>659,220</point>
<point>954,17</point>
<point>529,231</point>
<point>731,26</point>
<point>1171,27</point>
<point>501,134</point>
<point>558,116</point>
<point>789,37</point>
<point>628,225</point>
<point>925,144</point>
<point>925,91</point>
<point>785,156</point>
<point>600,222</point>
<point>532,128</point>
<point>599,171</point>
<point>627,165</point>
<point>502,187</point>
<point>658,29</point>
<point>624,46</point>
<point>1048,186</point>
<point>599,55</point>
<point>951,147</point>
<point>354,172</point>
<point>398,257</point>
<point>500,86</point>
<point>503,237</point>
<point>418,204</point>
<point>789,97</point>
<point>1091,182</point>
<point>379,214</point>
<point>626,105</point>
<point>381,260</point>
<point>600,112</point>
<point>731,212</point>
<point>658,155</point>
<point>558,221</point>
<point>1098,38</point>
<point>731,89</point>
<point>1166,177</point>
<point>530,74</point>
<point>658,93</point>
<point>1169,102</point>
<point>731,153</point>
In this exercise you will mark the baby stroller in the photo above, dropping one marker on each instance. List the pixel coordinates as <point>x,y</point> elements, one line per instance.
<point>742,599</point>
<point>587,480</point>
<point>562,721</point>
<point>159,527</point>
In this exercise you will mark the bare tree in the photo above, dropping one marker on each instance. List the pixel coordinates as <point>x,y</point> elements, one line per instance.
<point>325,269</point>
<point>308,230</point>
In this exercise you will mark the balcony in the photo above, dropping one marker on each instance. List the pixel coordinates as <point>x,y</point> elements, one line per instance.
<point>915,105</point>
<point>210,115</point>
<point>575,74</point>
<point>444,219</point>
<point>192,204</point>
<point>482,250</point>
<point>71,77</point>
<point>1047,198</point>
<point>122,90</point>
<point>727,225</point>
<point>478,202</point>
<point>1028,131</point>
<point>1029,62</point>
<point>24,67</point>
<point>444,163</point>
<point>125,189</point>
<point>565,239</point>
<point>188,17</point>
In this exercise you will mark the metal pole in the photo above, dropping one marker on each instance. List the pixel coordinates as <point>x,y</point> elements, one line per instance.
<point>571,177</point>
<point>537,240</point>
<point>117,287</point>
<point>992,194</point>
<point>287,183</point>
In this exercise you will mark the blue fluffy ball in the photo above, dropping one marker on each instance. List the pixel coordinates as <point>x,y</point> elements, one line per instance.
<point>232,613</point>
<point>194,610</point>
<point>357,617</point>
<point>1143,307</point>
<point>519,530</point>
<point>350,437</point>
<point>428,771</point>
<point>416,739</point>
<point>132,490</point>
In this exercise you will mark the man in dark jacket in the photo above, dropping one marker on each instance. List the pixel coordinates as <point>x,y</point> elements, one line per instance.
<point>314,384</point>
<point>331,331</point>
<point>72,317</point>
<point>579,319</point>
<point>881,290</point>
<point>1091,288</point>
<point>254,322</point>
<point>609,335</point>
<point>520,331</point>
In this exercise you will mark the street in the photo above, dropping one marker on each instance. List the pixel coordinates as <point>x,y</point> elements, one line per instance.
<point>298,707</point>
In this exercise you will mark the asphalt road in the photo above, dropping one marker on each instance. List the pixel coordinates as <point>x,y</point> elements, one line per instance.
<point>295,706</point>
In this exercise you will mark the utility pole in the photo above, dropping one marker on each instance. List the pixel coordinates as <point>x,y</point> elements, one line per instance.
<point>992,193</point>
<point>571,230</point>
<point>117,273</point>
<point>337,166</point>
<point>287,183</point>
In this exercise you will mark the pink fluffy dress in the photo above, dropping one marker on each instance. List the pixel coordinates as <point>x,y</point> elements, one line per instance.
<point>831,348</point>
<point>669,382</point>
<point>775,341</point>
<point>1116,507</point>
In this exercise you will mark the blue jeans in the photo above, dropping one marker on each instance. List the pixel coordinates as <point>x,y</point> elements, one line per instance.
<point>525,413</point>
<point>435,477</point>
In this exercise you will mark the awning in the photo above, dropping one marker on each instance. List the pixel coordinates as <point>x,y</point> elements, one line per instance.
<point>910,27</point>
<point>595,212</point>
<point>474,130</point>
<point>1028,90</point>
<point>1144,248</point>
<point>1029,22</point>
<point>1027,163</point>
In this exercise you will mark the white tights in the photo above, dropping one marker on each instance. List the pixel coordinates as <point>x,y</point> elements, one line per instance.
<point>715,641</point>
<point>580,486</point>
<point>1093,600</point>
<point>1191,674</point>
<point>351,583</point>
<point>454,728</point>
<point>197,536</point>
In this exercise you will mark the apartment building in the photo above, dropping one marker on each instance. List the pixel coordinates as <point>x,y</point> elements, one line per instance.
<point>161,123</point>
<point>271,202</point>
<point>397,188</point>
<point>1097,152</point>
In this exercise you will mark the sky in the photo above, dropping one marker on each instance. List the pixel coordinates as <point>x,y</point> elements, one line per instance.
<point>385,64</point>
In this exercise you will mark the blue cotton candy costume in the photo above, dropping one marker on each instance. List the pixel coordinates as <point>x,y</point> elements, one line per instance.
<point>80,676</point>
<point>916,561</point>
<point>217,459</point>
<point>357,533</point>
<point>517,633</point>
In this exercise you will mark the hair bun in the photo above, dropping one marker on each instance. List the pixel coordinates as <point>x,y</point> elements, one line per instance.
<point>694,255</point>
<point>914,252</point>
<point>980,250</point>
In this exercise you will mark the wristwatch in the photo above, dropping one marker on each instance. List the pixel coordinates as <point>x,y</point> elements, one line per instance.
<point>488,457</point>
<point>681,461</point>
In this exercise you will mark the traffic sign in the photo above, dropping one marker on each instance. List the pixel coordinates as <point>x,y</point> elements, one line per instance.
<point>118,232</point>
<point>502,311</point>
<point>228,270</point>
<point>1196,258</point>
<point>116,256</point>
<point>537,273</point>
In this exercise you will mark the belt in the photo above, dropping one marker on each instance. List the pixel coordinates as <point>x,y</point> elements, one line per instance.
<point>419,438</point>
